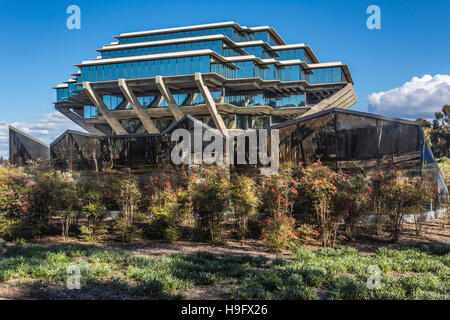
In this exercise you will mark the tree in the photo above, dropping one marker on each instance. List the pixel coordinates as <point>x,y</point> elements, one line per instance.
<point>424,123</point>
<point>440,134</point>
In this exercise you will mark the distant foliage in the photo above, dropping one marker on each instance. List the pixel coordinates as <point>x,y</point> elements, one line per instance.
<point>439,134</point>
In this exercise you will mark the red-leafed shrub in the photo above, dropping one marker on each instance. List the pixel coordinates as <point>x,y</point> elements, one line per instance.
<point>352,200</point>
<point>278,231</point>
<point>317,191</point>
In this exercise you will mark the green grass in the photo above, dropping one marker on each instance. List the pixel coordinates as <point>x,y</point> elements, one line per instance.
<point>413,273</point>
<point>410,273</point>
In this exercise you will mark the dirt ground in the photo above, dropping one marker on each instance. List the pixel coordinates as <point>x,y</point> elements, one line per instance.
<point>18,289</point>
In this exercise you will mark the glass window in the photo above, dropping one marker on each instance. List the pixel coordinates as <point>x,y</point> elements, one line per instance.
<point>135,70</point>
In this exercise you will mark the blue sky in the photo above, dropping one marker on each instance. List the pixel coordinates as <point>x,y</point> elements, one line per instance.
<point>38,51</point>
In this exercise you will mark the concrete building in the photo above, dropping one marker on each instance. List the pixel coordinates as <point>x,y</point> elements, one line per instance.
<point>228,76</point>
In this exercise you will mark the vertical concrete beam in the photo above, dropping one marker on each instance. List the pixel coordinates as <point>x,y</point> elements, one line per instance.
<point>165,92</point>
<point>137,107</point>
<point>218,121</point>
<point>103,109</point>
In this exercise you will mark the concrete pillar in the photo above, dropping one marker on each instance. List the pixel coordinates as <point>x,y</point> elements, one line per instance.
<point>165,92</point>
<point>103,109</point>
<point>218,121</point>
<point>79,121</point>
<point>137,107</point>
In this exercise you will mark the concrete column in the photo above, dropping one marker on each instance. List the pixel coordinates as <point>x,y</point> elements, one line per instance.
<point>103,109</point>
<point>190,99</point>
<point>79,121</point>
<point>218,121</point>
<point>157,102</point>
<point>165,92</point>
<point>137,107</point>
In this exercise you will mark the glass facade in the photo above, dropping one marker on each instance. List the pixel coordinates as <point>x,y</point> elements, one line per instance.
<point>293,54</point>
<point>230,32</point>
<point>24,148</point>
<point>204,64</point>
<point>260,52</point>
<point>296,100</point>
<point>216,46</point>
<point>90,112</point>
<point>355,142</point>
<point>350,141</point>
<point>324,75</point>
<point>80,152</point>
<point>146,69</point>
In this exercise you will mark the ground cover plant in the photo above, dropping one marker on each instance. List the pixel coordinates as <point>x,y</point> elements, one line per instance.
<point>332,273</point>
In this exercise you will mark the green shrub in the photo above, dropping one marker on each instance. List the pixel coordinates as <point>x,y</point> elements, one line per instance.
<point>165,225</point>
<point>129,199</point>
<point>210,196</point>
<point>244,201</point>
<point>169,207</point>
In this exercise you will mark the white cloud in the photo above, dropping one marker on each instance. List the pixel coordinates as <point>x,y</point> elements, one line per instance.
<point>47,129</point>
<point>417,98</point>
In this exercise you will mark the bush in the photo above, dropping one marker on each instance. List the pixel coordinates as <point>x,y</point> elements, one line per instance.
<point>210,194</point>
<point>421,196</point>
<point>402,195</point>
<point>378,205</point>
<point>352,200</point>
<point>169,206</point>
<point>94,210</point>
<point>67,202</point>
<point>317,191</point>
<point>306,234</point>
<point>165,225</point>
<point>278,192</point>
<point>244,202</point>
<point>15,194</point>
<point>279,232</point>
<point>129,199</point>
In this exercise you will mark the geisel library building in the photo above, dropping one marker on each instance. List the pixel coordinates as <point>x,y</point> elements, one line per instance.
<point>232,78</point>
